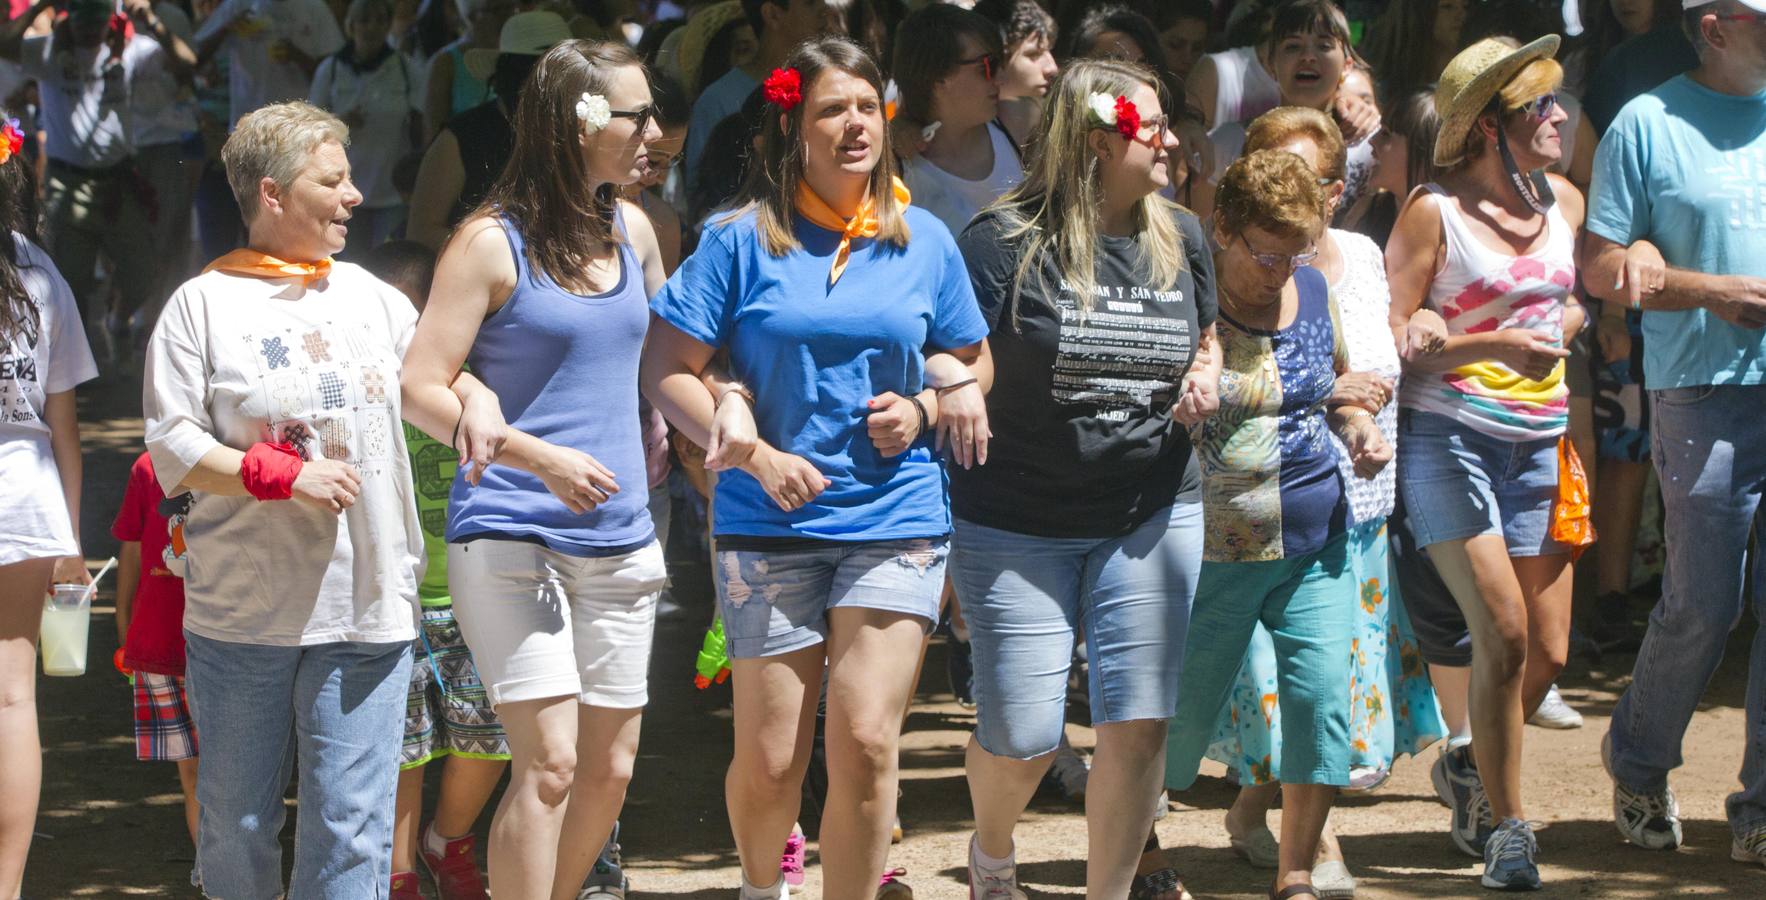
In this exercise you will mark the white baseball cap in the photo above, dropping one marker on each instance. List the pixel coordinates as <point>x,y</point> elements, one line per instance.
<point>1755,5</point>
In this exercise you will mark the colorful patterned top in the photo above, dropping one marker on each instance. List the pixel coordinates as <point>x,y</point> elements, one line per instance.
<point>1270,487</point>
<point>1480,290</point>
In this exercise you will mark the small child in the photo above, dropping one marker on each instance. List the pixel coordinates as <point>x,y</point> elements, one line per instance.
<point>150,625</point>
<point>448,713</point>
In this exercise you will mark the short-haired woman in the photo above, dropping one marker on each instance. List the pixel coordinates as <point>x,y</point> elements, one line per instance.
<point>1393,710</point>
<point>833,298</point>
<point>947,65</point>
<point>43,356</point>
<point>1277,544</point>
<point>552,556</point>
<point>1100,296</point>
<point>1490,247</point>
<point>271,397</point>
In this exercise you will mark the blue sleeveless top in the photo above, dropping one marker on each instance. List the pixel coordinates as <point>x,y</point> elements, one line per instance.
<point>565,367</point>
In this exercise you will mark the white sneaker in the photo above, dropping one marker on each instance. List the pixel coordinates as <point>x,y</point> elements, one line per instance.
<point>993,884</point>
<point>1553,712</point>
<point>780,891</point>
<point>1069,771</point>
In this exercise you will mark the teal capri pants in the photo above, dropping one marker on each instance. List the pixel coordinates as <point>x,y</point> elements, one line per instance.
<point>1308,605</point>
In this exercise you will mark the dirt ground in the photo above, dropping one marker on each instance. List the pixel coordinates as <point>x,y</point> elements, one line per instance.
<point>112,827</point>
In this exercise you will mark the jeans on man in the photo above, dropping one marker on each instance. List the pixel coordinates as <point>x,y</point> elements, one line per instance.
<point>1706,442</point>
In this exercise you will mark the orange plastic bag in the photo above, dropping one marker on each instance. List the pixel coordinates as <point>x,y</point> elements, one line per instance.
<point>1571,520</point>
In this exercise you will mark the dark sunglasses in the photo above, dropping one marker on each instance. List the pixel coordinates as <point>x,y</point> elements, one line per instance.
<point>986,60</point>
<point>643,116</point>
<point>1541,107</point>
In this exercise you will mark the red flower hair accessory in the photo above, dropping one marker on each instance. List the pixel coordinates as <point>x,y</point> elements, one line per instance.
<point>13,140</point>
<point>1128,118</point>
<point>783,88</point>
<point>1118,113</point>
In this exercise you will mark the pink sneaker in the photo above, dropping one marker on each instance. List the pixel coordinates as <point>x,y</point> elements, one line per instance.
<point>404,886</point>
<point>455,870</point>
<point>791,864</point>
<point>890,887</point>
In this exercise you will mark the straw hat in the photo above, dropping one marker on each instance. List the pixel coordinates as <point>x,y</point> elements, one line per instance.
<point>1470,80</point>
<point>697,34</point>
<point>524,34</point>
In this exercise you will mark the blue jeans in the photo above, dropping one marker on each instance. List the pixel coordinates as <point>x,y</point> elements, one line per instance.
<point>339,710</point>
<point>1459,482</point>
<point>1024,597</point>
<point>775,602</point>
<point>1706,443</point>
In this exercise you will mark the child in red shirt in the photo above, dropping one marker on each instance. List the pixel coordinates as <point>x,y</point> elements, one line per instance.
<point>150,624</point>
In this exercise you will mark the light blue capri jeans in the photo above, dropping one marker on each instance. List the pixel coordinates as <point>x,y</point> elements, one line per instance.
<point>1308,604</point>
<point>1025,598</point>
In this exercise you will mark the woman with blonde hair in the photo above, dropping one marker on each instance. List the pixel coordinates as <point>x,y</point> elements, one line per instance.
<point>1277,549</point>
<point>1099,296</point>
<point>836,301</point>
<point>1490,247</point>
<point>552,556</point>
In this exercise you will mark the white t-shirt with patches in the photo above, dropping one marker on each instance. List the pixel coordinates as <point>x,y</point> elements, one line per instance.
<point>237,360</point>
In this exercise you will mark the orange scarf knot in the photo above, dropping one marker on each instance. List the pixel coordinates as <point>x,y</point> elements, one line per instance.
<point>862,225</point>
<point>253,264</point>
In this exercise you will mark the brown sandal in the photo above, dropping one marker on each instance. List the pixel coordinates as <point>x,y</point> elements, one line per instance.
<point>1292,891</point>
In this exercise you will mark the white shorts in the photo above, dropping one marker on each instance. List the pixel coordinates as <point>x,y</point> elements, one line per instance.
<point>546,624</point>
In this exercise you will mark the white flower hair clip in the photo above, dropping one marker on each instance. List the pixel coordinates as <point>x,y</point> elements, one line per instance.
<point>1103,108</point>
<point>594,111</point>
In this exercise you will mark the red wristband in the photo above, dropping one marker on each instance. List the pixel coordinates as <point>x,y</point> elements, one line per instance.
<point>268,471</point>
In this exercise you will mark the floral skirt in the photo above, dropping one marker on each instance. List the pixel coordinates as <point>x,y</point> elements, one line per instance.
<point>1392,704</point>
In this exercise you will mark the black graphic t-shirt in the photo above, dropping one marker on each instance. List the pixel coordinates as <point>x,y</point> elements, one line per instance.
<point>1083,442</point>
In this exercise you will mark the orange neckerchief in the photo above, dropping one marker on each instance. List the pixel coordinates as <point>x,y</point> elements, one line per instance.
<point>253,264</point>
<point>865,224</point>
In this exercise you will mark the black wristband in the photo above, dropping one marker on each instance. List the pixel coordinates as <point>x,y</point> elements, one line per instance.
<point>951,387</point>
<point>921,409</point>
<point>454,444</point>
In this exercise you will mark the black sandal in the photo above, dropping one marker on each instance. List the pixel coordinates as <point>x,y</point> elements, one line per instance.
<point>1164,882</point>
<point>1292,891</point>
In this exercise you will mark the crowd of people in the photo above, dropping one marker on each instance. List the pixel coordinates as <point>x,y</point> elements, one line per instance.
<point>1248,374</point>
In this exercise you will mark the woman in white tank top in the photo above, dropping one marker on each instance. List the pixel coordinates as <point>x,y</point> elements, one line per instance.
<point>1490,248</point>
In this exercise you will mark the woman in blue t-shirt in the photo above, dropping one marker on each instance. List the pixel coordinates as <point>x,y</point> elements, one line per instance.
<point>834,299</point>
<point>553,561</point>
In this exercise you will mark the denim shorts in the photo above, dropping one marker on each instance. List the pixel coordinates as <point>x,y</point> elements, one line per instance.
<point>1026,598</point>
<point>1460,483</point>
<point>777,601</point>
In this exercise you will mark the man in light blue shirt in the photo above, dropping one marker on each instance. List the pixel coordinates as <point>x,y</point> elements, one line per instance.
<point>1683,167</point>
<point>779,25</point>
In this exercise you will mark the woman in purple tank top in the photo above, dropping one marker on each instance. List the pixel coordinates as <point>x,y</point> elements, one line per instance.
<point>552,559</point>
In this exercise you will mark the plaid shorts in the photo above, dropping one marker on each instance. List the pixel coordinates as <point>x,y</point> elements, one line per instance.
<point>447,711</point>
<point>163,730</point>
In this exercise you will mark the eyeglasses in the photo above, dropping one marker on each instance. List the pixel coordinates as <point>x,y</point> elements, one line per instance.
<point>1742,17</point>
<point>1158,124</point>
<point>661,162</point>
<point>1540,107</point>
<point>985,60</point>
<point>643,116</point>
<point>1276,261</point>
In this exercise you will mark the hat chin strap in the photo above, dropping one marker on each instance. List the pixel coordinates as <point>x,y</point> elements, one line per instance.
<point>1533,186</point>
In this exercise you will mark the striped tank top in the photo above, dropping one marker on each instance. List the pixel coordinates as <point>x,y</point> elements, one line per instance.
<point>1481,290</point>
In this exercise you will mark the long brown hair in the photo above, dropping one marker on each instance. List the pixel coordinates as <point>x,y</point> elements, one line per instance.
<point>541,189</point>
<point>19,315</point>
<point>771,190</point>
